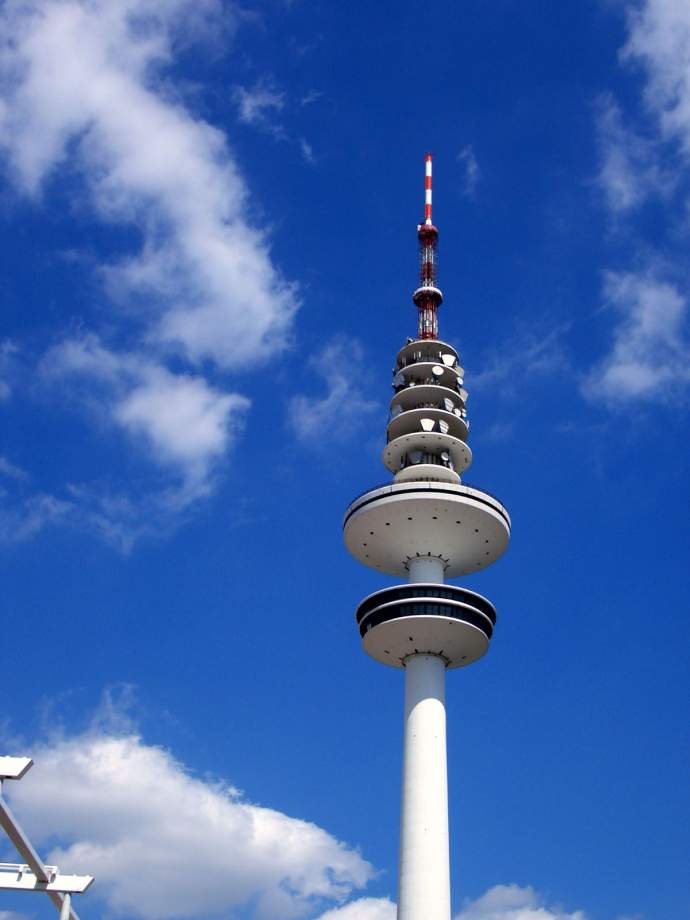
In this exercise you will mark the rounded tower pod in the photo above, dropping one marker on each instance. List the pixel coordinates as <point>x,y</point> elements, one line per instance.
<point>426,526</point>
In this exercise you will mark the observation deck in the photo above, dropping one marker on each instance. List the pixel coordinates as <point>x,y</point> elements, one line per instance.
<point>464,527</point>
<point>413,619</point>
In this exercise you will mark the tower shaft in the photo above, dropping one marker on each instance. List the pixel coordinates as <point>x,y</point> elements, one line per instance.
<point>424,885</point>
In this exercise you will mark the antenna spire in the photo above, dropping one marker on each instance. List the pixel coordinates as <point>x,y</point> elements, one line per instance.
<point>428,296</point>
<point>427,190</point>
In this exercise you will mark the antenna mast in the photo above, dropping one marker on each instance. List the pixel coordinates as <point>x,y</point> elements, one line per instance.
<point>427,297</point>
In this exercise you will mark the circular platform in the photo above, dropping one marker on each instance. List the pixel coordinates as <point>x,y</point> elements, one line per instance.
<point>410,422</point>
<point>431,372</point>
<point>428,472</point>
<point>443,620</point>
<point>386,527</point>
<point>431,442</point>
<point>424,349</point>
<point>413,397</point>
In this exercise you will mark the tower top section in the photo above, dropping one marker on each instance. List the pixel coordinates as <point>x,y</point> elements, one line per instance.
<point>427,297</point>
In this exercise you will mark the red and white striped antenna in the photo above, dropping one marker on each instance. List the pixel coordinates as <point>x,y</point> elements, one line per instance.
<point>427,189</point>
<point>428,296</point>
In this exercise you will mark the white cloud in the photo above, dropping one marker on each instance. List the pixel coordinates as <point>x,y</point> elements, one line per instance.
<point>11,471</point>
<point>650,355</point>
<point>502,902</point>
<point>256,104</point>
<point>526,354</point>
<point>20,520</point>
<point>8,352</point>
<point>659,39</point>
<point>470,167</point>
<point>163,843</point>
<point>343,410</point>
<point>84,79</point>
<point>186,423</point>
<point>86,90</point>
<point>514,902</point>
<point>363,909</point>
<point>631,169</point>
<point>260,106</point>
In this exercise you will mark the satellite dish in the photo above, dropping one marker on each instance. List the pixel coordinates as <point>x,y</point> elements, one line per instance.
<point>443,427</point>
<point>448,405</point>
<point>458,412</point>
<point>427,424</point>
<point>445,456</point>
<point>448,360</point>
<point>437,370</point>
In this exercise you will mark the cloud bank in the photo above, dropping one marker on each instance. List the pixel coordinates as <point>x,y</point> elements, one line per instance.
<point>163,843</point>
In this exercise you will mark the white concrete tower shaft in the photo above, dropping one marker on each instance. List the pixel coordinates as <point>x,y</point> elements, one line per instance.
<point>424,885</point>
<point>424,880</point>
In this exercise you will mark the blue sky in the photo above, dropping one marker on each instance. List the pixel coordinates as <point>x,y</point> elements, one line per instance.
<point>208,217</point>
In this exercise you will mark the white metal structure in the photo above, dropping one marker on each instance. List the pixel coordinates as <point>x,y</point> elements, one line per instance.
<point>33,874</point>
<point>426,526</point>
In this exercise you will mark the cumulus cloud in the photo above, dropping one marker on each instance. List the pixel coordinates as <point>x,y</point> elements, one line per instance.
<point>163,843</point>
<point>514,902</point>
<point>502,902</point>
<point>363,909</point>
<point>343,409</point>
<point>650,355</point>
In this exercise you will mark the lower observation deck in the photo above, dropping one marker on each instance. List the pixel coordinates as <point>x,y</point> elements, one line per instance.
<point>413,619</point>
<point>466,528</point>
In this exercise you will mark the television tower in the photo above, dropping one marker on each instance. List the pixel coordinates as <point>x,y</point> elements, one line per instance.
<point>426,526</point>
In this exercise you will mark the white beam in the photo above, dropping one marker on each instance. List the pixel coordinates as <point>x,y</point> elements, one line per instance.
<point>14,877</point>
<point>14,767</point>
